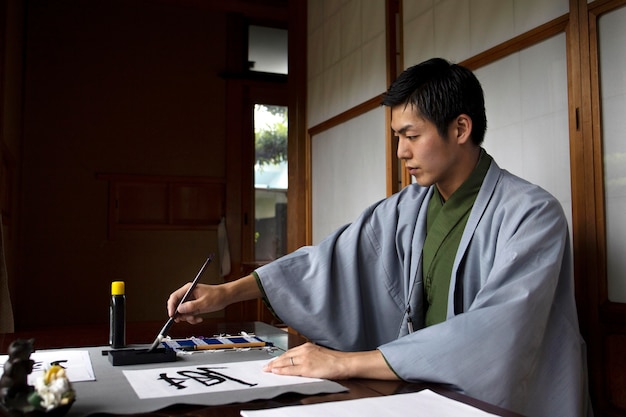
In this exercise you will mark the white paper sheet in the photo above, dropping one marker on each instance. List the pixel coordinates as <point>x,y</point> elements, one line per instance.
<point>77,364</point>
<point>423,403</point>
<point>202,379</point>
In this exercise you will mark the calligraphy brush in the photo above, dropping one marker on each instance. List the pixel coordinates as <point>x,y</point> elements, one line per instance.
<point>168,324</point>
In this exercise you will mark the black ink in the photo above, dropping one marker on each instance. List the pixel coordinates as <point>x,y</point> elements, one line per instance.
<point>202,375</point>
<point>39,365</point>
<point>174,382</point>
<point>59,362</point>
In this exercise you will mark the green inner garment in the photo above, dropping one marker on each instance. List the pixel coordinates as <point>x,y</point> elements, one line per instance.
<point>445,223</point>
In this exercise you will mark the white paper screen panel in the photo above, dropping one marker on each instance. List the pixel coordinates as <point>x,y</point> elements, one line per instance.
<point>612,36</point>
<point>527,122</point>
<point>346,58</point>
<point>348,171</point>
<point>459,29</point>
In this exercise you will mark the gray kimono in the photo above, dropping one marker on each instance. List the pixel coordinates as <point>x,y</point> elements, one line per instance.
<point>511,337</point>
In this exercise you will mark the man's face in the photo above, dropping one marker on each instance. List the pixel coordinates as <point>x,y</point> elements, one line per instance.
<point>429,157</point>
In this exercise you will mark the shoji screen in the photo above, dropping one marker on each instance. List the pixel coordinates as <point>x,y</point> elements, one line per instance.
<point>612,38</point>
<point>348,171</point>
<point>346,67</point>
<point>526,101</point>
<point>459,29</point>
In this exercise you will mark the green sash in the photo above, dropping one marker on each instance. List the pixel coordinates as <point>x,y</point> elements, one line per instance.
<point>445,223</point>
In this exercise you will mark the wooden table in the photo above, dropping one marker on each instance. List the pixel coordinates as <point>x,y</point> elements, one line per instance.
<point>142,333</point>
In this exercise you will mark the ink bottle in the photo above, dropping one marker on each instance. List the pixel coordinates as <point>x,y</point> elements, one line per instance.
<point>117,315</point>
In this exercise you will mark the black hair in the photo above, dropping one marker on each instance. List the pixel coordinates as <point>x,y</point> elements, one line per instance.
<point>441,91</point>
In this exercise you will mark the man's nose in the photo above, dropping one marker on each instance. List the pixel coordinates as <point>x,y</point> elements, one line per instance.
<point>403,150</point>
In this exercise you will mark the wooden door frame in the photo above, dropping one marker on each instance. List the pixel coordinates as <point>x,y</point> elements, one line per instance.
<point>602,322</point>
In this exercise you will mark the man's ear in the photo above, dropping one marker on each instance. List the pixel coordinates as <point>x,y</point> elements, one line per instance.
<point>463,125</point>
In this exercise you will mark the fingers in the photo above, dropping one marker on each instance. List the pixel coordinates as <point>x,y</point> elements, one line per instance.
<point>188,310</point>
<point>292,362</point>
<point>174,299</point>
<point>190,307</point>
<point>188,318</point>
<point>282,365</point>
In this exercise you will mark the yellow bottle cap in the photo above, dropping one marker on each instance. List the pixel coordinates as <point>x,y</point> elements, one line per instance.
<point>117,288</point>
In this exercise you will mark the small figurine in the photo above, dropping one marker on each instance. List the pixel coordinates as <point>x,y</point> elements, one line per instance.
<point>52,390</point>
<point>14,388</point>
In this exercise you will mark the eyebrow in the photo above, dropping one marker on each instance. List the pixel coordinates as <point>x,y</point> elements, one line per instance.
<point>403,129</point>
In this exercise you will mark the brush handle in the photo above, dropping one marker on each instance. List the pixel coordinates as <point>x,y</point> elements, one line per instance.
<point>168,324</point>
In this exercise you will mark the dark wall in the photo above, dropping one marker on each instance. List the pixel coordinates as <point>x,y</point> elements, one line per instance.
<point>112,86</point>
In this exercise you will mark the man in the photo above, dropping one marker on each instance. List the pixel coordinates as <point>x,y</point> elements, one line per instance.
<point>462,279</point>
